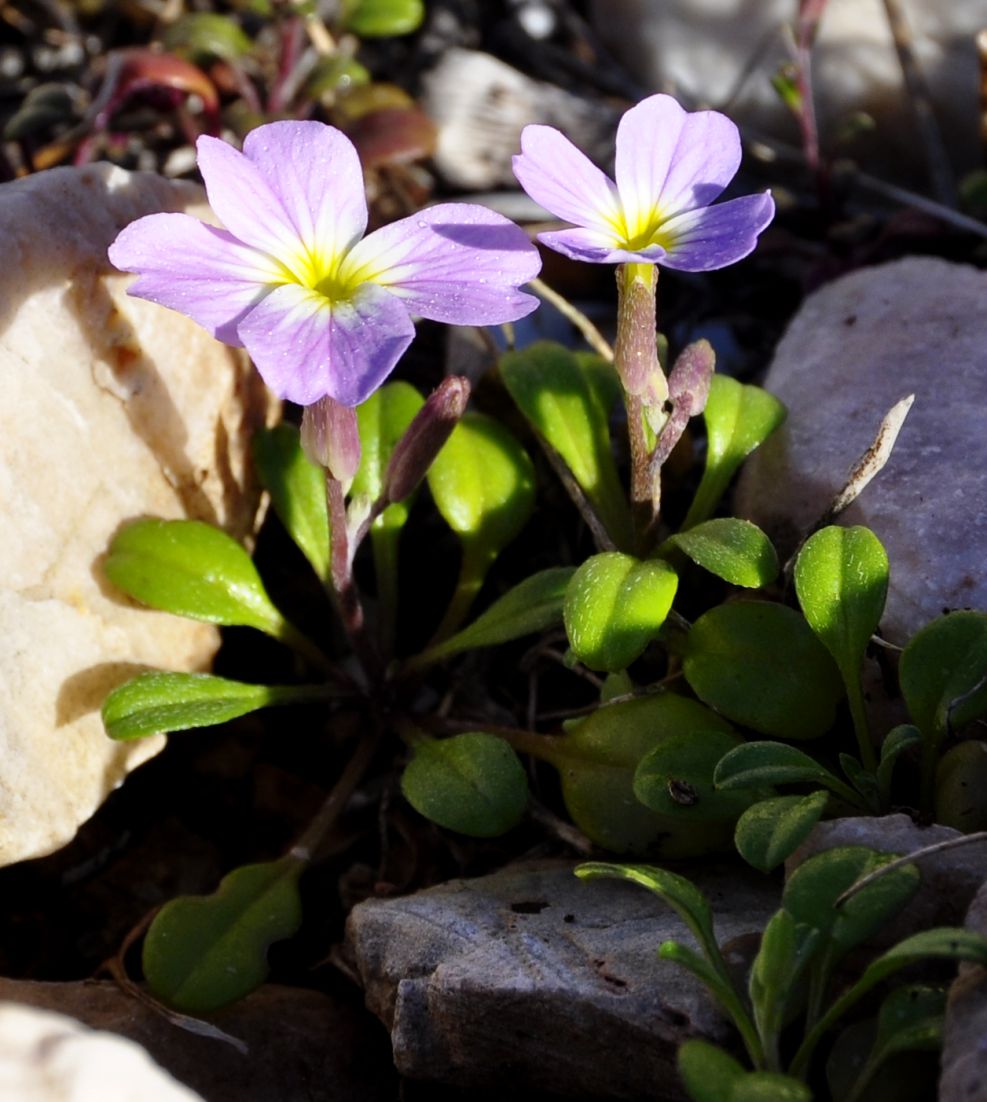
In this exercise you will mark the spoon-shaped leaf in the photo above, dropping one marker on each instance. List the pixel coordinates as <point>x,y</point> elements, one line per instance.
<point>735,550</point>
<point>739,418</point>
<point>760,665</point>
<point>471,783</point>
<point>614,606</point>
<point>202,953</point>
<point>768,763</point>
<point>712,1075</point>
<point>943,676</point>
<point>158,702</point>
<point>298,491</point>
<point>560,395</point>
<point>531,606</point>
<point>771,831</point>
<point>676,778</point>
<point>841,578</point>
<point>383,419</point>
<point>191,569</point>
<point>483,485</point>
<point>382,18</point>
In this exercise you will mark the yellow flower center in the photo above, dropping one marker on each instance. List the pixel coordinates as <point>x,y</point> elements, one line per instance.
<point>327,274</point>
<point>644,228</point>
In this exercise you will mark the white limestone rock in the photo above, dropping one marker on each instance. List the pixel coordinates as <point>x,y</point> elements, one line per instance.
<point>855,348</point>
<point>46,1057</point>
<point>114,408</point>
<point>723,54</point>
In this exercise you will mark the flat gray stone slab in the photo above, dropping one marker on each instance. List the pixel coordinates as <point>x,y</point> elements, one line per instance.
<point>532,979</point>
<point>855,348</point>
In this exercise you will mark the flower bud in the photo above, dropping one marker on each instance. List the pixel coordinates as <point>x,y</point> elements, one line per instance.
<point>331,438</point>
<point>423,439</point>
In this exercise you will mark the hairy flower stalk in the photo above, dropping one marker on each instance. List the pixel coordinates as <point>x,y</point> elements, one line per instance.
<point>670,167</point>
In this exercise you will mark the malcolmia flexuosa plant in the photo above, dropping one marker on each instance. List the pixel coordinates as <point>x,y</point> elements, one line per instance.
<point>702,687</point>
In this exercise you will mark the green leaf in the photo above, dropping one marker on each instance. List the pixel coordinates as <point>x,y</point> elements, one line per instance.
<point>298,491</point>
<point>942,673</point>
<point>910,1018</point>
<point>680,894</point>
<point>812,890</point>
<point>760,665</point>
<point>709,1073</point>
<point>471,783</point>
<point>896,742</point>
<point>158,702</point>
<point>597,763</point>
<point>734,550</point>
<point>766,763</point>
<point>336,74</point>
<point>961,786</point>
<point>383,419</point>
<point>561,396</point>
<point>676,778</point>
<point>202,953</point>
<point>946,943</point>
<point>841,578</point>
<point>382,18</point>
<point>531,606</point>
<point>771,831</point>
<point>203,36</point>
<point>712,1075</point>
<point>191,569</point>
<point>738,419</point>
<point>614,606</point>
<point>483,484</point>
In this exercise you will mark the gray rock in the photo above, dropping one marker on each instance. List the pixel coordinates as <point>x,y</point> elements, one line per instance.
<point>964,1055</point>
<point>854,349</point>
<point>950,879</point>
<point>302,1046</point>
<point>531,979</point>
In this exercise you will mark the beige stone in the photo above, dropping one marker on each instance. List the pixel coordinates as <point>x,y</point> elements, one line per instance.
<point>46,1057</point>
<point>113,409</point>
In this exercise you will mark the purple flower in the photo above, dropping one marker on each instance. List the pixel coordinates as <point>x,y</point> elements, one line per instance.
<point>670,166</point>
<point>322,310</point>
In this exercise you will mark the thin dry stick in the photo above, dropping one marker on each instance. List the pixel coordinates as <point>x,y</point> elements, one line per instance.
<point>936,156</point>
<point>314,834</point>
<point>593,337</point>
<point>907,859</point>
<point>601,537</point>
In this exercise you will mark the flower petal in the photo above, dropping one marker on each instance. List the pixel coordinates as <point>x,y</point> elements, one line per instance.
<point>244,201</point>
<point>565,181</point>
<point>198,270</point>
<point>671,160</point>
<point>713,237</point>
<point>315,172</point>
<point>456,262</point>
<point>594,247</point>
<point>306,347</point>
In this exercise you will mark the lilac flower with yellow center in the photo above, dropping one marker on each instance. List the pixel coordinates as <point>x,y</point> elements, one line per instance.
<point>670,166</point>
<point>322,310</point>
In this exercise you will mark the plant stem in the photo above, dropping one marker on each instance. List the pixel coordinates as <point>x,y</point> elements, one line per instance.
<point>858,713</point>
<point>343,584</point>
<point>307,845</point>
<point>384,544</point>
<point>644,383</point>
